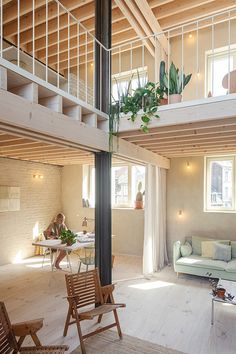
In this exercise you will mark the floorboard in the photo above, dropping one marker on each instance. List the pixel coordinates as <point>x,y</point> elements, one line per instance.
<point>163,309</point>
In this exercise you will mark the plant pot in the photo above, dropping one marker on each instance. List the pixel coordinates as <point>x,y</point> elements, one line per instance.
<point>163,101</point>
<point>138,204</point>
<point>220,292</point>
<point>176,98</point>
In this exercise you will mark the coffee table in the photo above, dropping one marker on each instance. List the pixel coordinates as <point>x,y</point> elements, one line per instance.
<point>230,287</point>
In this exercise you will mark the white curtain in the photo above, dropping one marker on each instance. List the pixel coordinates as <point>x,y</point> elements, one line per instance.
<point>155,250</point>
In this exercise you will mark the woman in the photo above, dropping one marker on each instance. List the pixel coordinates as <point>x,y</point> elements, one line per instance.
<point>53,232</point>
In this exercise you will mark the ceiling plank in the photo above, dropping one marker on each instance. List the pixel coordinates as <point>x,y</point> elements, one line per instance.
<point>10,13</point>
<point>178,6</point>
<point>196,13</point>
<point>183,134</point>
<point>81,11</point>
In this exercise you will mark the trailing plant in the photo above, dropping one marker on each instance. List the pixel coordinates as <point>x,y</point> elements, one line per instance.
<point>68,237</point>
<point>175,81</point>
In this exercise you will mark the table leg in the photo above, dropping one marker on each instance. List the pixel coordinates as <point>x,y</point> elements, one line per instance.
<point>68,257</point>
<point>51,258</point>
<point>212,311</point>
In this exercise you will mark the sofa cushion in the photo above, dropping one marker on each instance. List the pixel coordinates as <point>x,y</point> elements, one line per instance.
<point>186,249</point>
<point>197,244</point>
<point>233,246</point>
<point>198,261</point>
<point>208,247</point>
<point>221,252</point>
<point>231,266</point>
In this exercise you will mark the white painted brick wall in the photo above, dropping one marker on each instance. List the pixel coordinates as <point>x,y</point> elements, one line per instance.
<point>40,202</point>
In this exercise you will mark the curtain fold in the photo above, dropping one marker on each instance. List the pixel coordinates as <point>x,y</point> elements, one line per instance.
<point>155,249</point>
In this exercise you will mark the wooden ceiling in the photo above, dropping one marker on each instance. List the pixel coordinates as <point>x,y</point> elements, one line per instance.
<point>29,149</point>
<point>130,19</point>
<point>191,139</point>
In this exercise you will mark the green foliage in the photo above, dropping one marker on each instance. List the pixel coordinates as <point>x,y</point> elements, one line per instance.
<point>175,82</point>
<point>146,98</point>
<point>68,237</point>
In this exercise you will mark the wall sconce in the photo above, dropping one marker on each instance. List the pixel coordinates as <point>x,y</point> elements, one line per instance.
<point>38,176</point>
<point>190,35</point>
<point>180,213</point>
<point>188,165</point>
<point>91,65</point>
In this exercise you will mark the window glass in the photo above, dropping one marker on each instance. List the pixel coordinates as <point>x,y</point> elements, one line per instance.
<point>120,184</point>
<point>220,184</point>
<point>138,175</point>
<point>128,80</point>
<point>218,65</point>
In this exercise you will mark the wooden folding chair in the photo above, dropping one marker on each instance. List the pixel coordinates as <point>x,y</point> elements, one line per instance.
<point>84,289</point>
<point>8,333</point>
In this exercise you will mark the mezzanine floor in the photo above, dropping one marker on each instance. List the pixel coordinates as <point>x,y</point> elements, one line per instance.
<point>165,309</point>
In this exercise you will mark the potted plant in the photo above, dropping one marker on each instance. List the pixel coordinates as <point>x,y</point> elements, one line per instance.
<point>162,89</point>
<point>174,83</point>
<point>139,197</point>
<point>67,237</point>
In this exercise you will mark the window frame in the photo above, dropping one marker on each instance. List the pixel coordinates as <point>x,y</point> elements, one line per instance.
<point>87,190</point>
<point>207,184</point>
<point>218,52</point>
<point>126,76</point>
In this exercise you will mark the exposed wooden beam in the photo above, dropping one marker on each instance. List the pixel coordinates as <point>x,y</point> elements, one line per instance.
<point>123,5</point>
<point>153,23</point>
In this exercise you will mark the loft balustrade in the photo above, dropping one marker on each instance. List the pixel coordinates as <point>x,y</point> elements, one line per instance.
<point>50,43</point>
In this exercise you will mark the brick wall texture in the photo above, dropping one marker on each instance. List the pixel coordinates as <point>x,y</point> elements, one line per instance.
<point>40,201</point>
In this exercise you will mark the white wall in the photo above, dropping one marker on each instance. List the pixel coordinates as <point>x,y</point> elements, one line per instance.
<point>185,192</point>
<point>40,200</point>
<point>127,224</point>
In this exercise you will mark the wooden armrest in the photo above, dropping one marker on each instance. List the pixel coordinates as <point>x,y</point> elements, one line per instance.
<point>27,327</point>
<point>107,289</point>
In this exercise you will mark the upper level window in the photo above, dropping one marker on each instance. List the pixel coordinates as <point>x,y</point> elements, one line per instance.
<point>218,64</point>
<point>125,180</point>
<point>220,183</point>
<point>128,81</point>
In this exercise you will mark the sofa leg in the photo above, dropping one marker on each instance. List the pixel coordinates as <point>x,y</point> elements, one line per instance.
<point>177,274</point>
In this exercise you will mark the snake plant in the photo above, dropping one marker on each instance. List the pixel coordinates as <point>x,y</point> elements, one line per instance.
<point>175,81</point>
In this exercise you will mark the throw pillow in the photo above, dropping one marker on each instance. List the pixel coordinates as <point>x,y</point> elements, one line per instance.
<point>197,244</point>
<point>221,252</point>
<point>186,249</point>
<point>233,245</point>
<point>207,249</point>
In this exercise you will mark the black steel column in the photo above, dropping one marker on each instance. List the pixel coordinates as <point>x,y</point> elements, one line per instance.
<point>103,240</point>
<point>103,216</point>
<point>103,29</point>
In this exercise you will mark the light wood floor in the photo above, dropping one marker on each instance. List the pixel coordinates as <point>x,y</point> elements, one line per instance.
<point>165,309</point>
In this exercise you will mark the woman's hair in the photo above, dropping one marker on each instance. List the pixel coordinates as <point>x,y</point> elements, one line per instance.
<point>60,216</point>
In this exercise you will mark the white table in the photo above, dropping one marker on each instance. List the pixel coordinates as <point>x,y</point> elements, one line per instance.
<point>230,287</point>
<point>56,244</point>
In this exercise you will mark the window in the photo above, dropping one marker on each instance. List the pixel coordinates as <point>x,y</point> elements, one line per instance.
<point>124,184</point>
<point>217,66</point>
<point>220,184</point>
<point>128,80</point>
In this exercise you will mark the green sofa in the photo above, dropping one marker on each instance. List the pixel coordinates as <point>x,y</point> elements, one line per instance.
<point>195,264</point>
